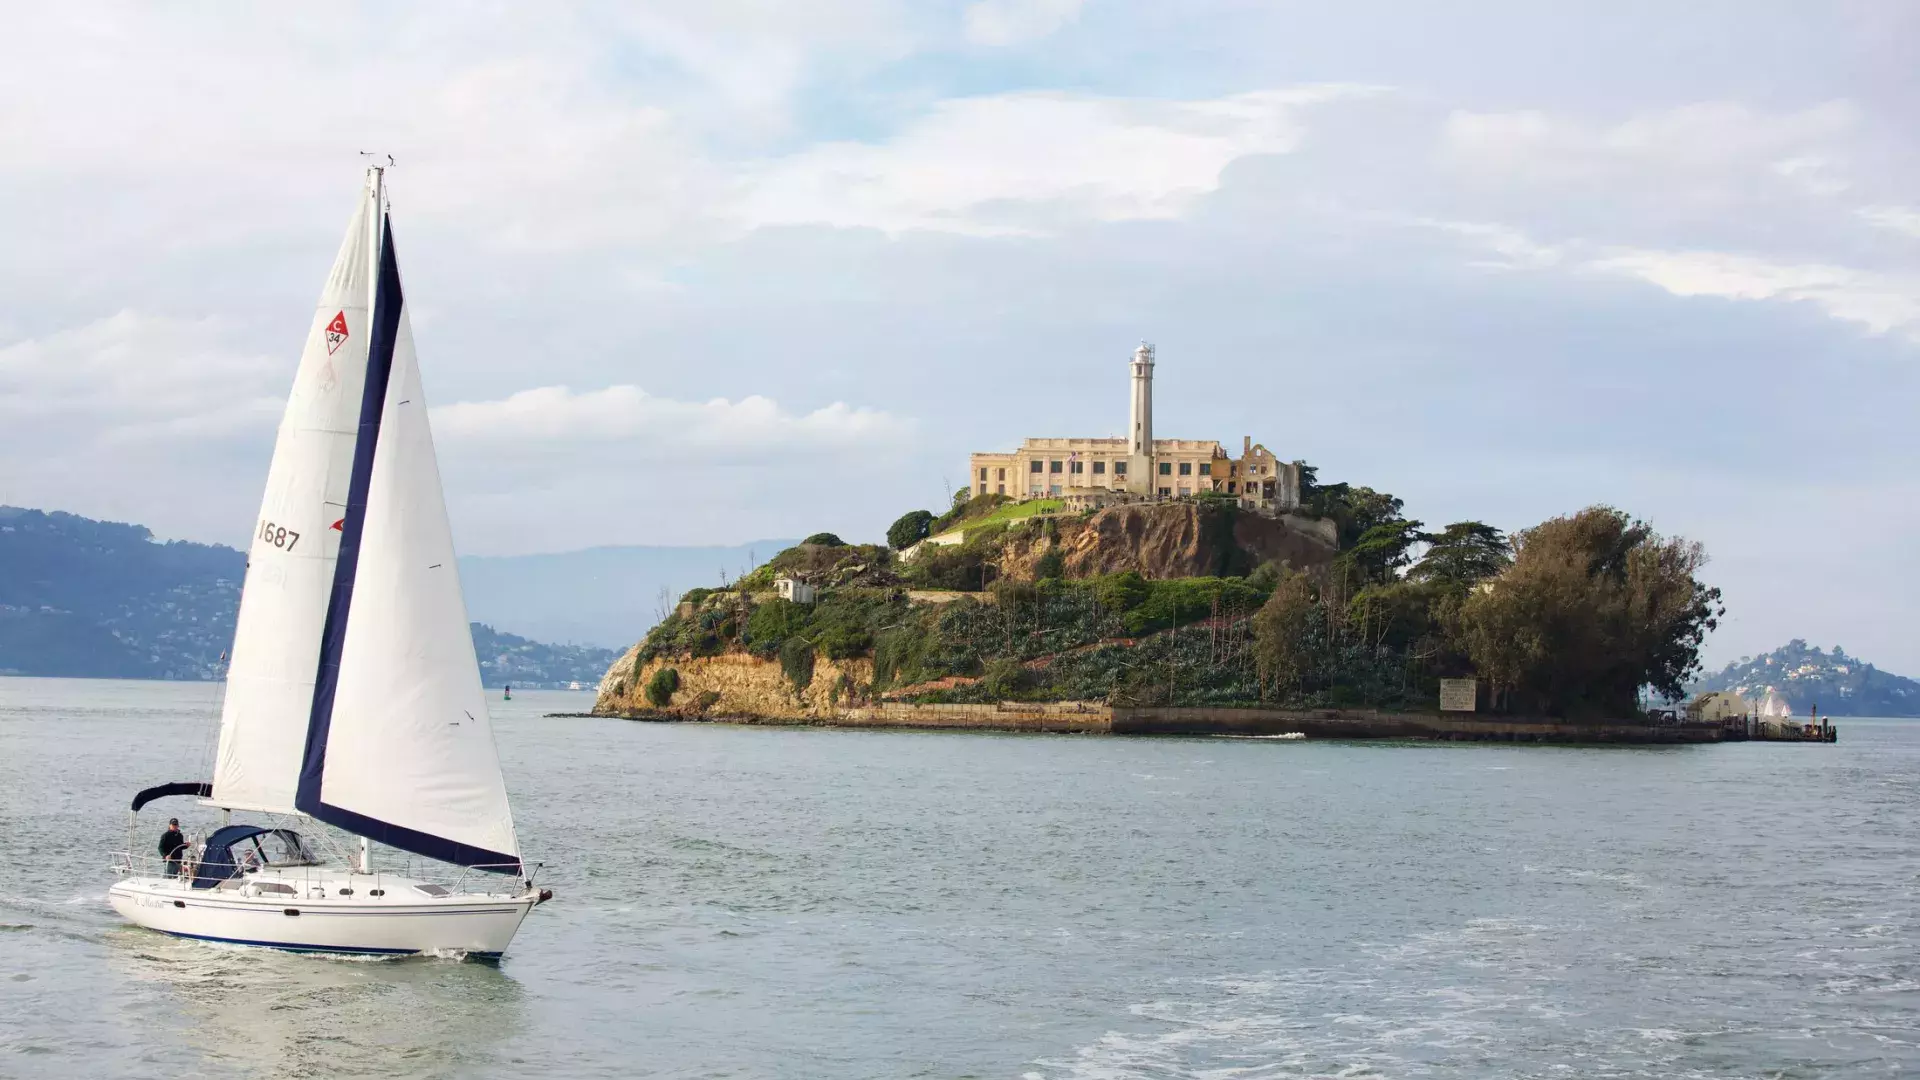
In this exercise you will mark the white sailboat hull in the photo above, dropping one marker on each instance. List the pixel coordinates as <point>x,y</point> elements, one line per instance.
<point>400,921</point>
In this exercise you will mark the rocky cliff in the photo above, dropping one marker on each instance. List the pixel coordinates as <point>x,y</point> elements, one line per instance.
<point>734,685</point>
<point>1161,541</point>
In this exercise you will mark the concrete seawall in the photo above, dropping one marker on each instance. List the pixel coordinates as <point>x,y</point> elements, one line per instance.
<point>1091,718</point>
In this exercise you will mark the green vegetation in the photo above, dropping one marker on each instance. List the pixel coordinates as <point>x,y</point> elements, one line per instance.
<point>910,529</point>
<point>825,539</point>
<point>661,688</point>
<point>993,510</point>
<point>1570,618</point>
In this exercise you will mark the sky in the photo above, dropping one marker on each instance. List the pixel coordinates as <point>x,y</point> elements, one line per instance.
<point>705,273</point>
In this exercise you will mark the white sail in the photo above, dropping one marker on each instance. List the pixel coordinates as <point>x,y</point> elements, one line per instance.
<point>404,753</point>
<point>290,563</point>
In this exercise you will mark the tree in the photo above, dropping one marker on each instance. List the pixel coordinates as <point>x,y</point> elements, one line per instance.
<point>1353,509</point>
<point>1285,637</point>
<point>1595,606</point>
<point>909,530</point>
<point>825,539</point>
<point>961,496</point>
<point>1379,554</point>
<point>1463,553</point>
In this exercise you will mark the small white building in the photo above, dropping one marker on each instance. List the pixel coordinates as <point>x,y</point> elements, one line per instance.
<point>793,590</point>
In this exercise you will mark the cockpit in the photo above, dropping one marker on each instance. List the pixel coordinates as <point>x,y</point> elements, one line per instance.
<point>237,850</point>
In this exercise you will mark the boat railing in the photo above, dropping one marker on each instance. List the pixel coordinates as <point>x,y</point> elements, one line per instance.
<point>498,879</point>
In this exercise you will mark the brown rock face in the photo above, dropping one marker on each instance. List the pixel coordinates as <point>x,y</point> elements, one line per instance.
<point>1172,540</point>
<point>736,685</point>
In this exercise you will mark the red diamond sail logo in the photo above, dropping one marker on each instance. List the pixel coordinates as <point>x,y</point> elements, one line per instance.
<point>336,332</point>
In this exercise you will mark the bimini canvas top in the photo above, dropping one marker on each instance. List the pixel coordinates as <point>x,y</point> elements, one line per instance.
<point>217,863</point>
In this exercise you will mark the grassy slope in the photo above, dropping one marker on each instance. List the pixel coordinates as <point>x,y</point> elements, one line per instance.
<point>1008,512</point>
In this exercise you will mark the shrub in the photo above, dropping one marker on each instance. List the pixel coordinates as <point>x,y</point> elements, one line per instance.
<point>909,530</point>
<point>796,663</point>
<point>772,623</point>
<point>1005,678</point>
<point>661,688</point>
<point>694,596</point>
<point>1051,565</point>
<point>961,568</point>
<point>825,539</point>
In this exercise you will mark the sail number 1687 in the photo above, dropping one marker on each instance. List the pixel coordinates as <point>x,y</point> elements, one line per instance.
<point>278,535</point>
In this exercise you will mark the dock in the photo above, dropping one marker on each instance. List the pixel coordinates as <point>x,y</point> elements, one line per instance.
<point>1754,729</point>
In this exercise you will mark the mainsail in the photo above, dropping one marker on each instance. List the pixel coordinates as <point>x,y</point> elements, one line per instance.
<point>384,732</point>
<point>290,563</point>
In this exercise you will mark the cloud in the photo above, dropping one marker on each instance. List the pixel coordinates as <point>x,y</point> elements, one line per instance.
<point>1880,302</point>
<point>135,377</point>
<point>1901,219</point>
<point>1514,248</point>
<point>1020,164</point>
<point>1718,141</point>
<point>717,431</point>
<point>1015,22</point>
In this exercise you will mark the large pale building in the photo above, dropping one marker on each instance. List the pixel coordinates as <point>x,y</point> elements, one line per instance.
<point>1137,467</point>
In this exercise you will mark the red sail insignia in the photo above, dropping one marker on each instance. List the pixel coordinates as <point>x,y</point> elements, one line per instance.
<point>336,332</point>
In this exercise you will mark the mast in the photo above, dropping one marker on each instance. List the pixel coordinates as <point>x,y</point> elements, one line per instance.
<point>376,225</point>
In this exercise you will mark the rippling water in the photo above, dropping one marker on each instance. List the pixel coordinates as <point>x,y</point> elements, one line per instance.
<point>739,902</point>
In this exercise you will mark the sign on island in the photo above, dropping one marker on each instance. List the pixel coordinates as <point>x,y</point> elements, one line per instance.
<point>1458,695</point>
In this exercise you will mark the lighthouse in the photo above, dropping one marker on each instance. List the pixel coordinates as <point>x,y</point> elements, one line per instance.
<point>1140,424</point>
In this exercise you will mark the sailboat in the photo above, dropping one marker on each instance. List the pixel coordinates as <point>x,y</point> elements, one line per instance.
<point>353,695</point>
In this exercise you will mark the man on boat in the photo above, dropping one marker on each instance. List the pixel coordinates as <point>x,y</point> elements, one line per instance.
<point>172,844</point>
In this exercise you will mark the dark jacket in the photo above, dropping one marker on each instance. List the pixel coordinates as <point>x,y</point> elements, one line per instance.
<point>171,842</point>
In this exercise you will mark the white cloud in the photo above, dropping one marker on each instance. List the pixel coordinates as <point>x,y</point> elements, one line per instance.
<point>1014,22</point>
<point>1714,144</point>
<point>133,376</point>
<point>1516,250</point>
<point>1880,302</point>
<point>718,430</point>
<point>1015,164</point>
<point>1900,219</point>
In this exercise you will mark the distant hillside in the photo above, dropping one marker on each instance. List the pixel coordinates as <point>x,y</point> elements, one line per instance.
<point>599,596</point>
<point>1839,684</point>
<point>511,660</point>
<point>101,599</point>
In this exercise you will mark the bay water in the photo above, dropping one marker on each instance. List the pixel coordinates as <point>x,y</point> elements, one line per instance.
<point>780,902</point>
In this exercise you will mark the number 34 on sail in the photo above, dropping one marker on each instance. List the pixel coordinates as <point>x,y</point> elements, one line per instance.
<point>353,698</point>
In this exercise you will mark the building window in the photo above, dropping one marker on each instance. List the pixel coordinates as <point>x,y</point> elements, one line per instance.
<point>1000,474</point>
<point>1053,489</point>
<point>1000,489</point>
<point>1166,469</point>
<point>1165,492</point>
<point>1233,469</point>
<point>1186,468</point>
<point>1078,467</point>
<point>1033,466</point>
<point>1053,466</point>
<point>983,488</point>
<point>1229,487</point>
<point>1034,491</point>
<point>983,473</point>
<point>1206,469</point>
<point>1119,468</point>
<point>1099,467</point>
<point>1185,491</point>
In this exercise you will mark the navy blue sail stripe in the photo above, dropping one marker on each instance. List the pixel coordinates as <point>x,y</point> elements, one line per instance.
<point>387,303</point>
